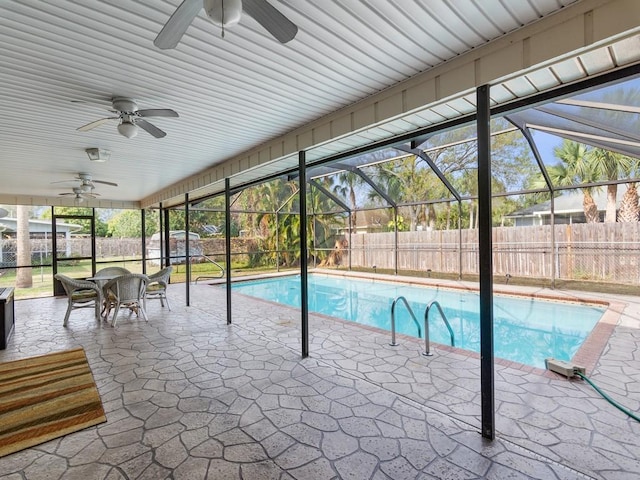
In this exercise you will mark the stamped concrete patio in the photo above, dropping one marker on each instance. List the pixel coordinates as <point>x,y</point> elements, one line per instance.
<point>187,396</point>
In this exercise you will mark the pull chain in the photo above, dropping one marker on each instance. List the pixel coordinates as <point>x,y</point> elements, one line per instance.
<point>222,4</point>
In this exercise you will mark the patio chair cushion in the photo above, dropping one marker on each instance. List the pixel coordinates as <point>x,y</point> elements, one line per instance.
<point>155,287</point>
<point>80,295</point>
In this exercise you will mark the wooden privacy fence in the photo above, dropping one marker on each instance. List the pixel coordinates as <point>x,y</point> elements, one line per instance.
<point>608,252</point>
<point>603,251</point>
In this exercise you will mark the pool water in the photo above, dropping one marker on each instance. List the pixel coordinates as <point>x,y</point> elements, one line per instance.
<point>526,330</point>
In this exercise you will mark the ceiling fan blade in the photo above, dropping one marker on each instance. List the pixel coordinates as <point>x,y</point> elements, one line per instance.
<point>105,183</point>
<point>67,193</point>
<point>149,128</point>
<point>271,19</point>
<point>157,112</point>
<point>65,181</point>
<point>175,27</point>
<point>97,123</point>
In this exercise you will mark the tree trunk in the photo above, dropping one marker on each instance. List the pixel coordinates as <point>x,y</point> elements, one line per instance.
<point>24,278</point>
<point>354,211</point>
<point>448,207</point>
<point>413,221</point>
<point>629,208</point>
<point>591,213</point>
<point>432,216</point>
<point>612,194</point>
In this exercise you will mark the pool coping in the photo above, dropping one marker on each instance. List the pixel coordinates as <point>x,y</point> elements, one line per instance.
<point>587,355</point>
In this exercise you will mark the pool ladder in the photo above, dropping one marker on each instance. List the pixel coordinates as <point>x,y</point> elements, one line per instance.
<point>216,264</point>
<point>427,344</point>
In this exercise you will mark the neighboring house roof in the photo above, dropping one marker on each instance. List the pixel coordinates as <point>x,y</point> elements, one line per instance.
<point>568,202</point>
<point>8,224</point>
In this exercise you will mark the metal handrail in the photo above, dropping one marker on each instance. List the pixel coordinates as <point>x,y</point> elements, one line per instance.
<point>393,320</point>
<point>211,276</point>
<point>427,347</point>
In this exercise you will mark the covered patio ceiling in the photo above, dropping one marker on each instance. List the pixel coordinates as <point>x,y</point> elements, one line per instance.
<point>63,61</point>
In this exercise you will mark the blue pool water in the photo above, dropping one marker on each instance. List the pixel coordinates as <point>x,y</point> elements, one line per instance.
<point>526,330</point>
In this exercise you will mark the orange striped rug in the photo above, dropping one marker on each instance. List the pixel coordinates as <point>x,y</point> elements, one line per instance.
<point>46,397</point>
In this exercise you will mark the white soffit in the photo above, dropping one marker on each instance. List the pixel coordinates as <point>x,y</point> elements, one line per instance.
<point>62,61</point>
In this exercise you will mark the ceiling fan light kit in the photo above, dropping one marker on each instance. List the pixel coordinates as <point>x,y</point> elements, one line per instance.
<point>80,194</point>
<point>130,118</point>
<point>128,129</point>
<point>98,154</point>
<point>85,186</point>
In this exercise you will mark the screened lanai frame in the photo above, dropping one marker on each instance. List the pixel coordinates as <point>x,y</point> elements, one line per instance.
<point>622,142</point>
<point>525,120</point>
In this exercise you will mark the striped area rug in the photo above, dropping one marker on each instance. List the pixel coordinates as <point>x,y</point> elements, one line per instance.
<point>46,397</point>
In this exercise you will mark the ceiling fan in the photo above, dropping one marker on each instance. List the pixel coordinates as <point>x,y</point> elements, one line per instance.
<point>225,13</point>
<point>130,118</point>
<point>80,194</point>
<point>87,183</point>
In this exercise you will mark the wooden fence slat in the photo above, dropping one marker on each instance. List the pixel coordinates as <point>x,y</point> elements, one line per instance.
<point>601,251</point>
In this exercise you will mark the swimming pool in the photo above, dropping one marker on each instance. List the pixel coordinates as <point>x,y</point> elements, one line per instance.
<point>526,330</point>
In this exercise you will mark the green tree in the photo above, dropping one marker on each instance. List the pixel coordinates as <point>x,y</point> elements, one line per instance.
<point>207,214</point>
<point>128,224</point>
<point>265,212</point>
<point>455,154</point>
<point>100,225</point>
<point>328,218</point>
<point>346,186</point>
<point>407,181</point>
<point>277,221</point>
<point>402,226</point>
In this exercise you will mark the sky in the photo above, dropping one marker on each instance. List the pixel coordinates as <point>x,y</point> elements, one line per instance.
<point>546,143</point>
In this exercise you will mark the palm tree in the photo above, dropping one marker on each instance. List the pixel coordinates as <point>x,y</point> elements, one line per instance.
<point>275,202</point>
<point>629,208</point>
<point>24,278</point>
<point>346,186</point>
<point>575,169</point>
<point>610,165</point>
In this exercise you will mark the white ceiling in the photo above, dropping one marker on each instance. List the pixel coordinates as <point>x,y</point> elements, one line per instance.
<point>61,62</point>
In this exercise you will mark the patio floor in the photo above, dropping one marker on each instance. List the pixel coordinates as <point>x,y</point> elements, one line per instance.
<point>187,396</point>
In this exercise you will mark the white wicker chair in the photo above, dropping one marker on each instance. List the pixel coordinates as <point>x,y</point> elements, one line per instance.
<point>125,290</point>
<point>80,294</point>
<point>157,286</point>
<point>109,272</point>
<point>103,276</point>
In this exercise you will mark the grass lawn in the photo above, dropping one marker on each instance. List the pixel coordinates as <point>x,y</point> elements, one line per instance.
<point>42,277</point>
